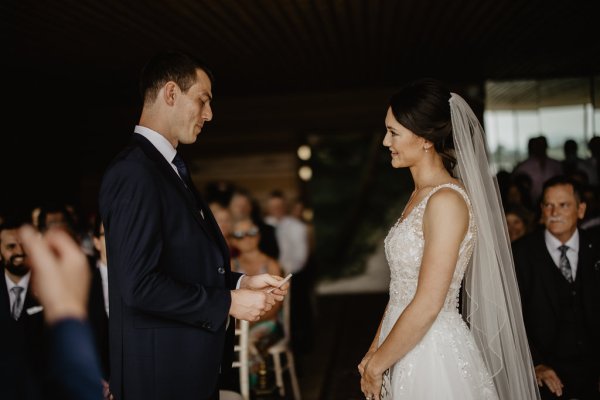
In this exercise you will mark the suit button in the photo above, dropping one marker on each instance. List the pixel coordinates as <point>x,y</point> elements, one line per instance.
<point>574,292</point>
<point>221,270</point>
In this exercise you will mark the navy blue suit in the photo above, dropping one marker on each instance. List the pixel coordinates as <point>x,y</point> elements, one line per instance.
<point>74,361</point>
<point>169,281</point>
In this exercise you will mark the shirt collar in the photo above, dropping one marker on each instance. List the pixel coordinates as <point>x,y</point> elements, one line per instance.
<point>554,243</point>
<point>161,143</point>
<point>23,282</point>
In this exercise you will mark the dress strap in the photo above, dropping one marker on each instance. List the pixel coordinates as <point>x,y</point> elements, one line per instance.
<point>451,186</point>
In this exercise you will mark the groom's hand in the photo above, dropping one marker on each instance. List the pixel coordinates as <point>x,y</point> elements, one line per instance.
<point>265,282</point>
<point>250,305</point>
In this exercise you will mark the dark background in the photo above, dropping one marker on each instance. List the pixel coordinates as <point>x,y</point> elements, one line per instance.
<point>323,65</point>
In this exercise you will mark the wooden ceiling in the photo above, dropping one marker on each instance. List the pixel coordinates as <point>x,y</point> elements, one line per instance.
<point>286,46</point>
<point>284,69</point>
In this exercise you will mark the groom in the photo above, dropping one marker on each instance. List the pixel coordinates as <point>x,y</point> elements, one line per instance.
<point>171,291</point>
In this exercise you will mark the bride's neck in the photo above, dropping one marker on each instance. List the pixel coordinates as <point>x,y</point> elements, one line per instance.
<point>429,173</point>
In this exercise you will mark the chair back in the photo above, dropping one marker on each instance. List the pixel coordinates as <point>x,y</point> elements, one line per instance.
<point>285,317</point>
<point>241,360</point>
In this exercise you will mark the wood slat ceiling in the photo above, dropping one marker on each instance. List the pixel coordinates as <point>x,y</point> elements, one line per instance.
<point>269,46</point>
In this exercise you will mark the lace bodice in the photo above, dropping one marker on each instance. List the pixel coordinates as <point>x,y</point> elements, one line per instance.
<point>404,251</point>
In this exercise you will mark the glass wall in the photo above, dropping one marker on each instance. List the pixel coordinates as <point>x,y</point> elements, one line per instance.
<point>558,109</point>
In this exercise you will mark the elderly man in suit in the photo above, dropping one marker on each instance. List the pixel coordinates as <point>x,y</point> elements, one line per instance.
<point>558,269</point>
<point>171,290</point>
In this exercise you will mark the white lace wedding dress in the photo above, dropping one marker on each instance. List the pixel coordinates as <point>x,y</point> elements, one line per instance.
<point>446,363</point>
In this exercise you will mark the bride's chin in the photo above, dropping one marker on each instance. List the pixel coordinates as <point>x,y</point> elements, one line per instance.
<point>396,164</point>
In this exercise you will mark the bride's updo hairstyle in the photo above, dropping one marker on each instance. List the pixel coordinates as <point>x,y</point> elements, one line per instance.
<point>423,107</point>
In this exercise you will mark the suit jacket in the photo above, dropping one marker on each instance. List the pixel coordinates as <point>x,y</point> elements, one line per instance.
<point>169,281</point>
<point>23,368</point>
<point>98,320</point>
<point>546,313</point>
<point>74,361</point>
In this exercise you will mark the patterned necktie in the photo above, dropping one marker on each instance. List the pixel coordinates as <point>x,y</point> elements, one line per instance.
<point>18,304</point>
<point>564,265</point>
<point>181,168</point>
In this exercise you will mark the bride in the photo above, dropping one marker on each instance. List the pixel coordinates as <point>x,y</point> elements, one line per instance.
<point>452,227</point>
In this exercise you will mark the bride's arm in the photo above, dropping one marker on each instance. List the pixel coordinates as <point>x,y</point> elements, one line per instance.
<point>445,224</point>
<point>373,347</point>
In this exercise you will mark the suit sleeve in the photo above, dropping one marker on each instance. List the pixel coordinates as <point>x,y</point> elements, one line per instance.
<point>132,212</point>
<point>74,359</point>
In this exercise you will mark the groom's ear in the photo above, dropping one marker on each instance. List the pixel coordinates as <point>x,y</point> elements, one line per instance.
<point>168,92</point>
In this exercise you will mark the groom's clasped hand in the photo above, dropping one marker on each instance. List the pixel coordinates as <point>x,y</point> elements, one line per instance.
<point>256,296</point>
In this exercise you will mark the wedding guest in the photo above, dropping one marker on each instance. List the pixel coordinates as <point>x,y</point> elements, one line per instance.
<point>559,279</point>
<point>243,205</point>
<point>251,260</point>
<point>60,279</point>
<point>538,166</point>
<point>24,368</point>
<point>519,222</point>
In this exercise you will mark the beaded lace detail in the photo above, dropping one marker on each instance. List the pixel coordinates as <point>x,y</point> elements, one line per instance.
<point>446,363</point>
<point>404,252</point>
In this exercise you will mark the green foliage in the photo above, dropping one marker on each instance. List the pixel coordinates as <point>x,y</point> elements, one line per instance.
<point>356,196</point>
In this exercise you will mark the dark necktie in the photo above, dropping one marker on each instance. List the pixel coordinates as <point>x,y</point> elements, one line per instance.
<point>18,304</point>
<point>564,264</point>
<point>184,174</point>
<point>182,169</point>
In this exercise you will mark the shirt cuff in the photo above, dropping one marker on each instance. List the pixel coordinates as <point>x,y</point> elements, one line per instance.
<point>239,282</point>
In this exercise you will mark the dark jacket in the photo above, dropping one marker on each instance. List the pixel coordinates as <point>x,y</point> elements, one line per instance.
<point>169,280</point>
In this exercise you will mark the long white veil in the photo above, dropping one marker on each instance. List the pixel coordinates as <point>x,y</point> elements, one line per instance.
<point>491,300</point>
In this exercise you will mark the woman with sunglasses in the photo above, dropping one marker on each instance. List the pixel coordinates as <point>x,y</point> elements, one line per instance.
<point>251,260</point>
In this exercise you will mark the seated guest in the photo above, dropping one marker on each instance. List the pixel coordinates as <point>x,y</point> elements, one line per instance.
<point>559,280</point>
<point>61,281</point>
<point>519,221</point>
<point>57,217</point>
<point>23,364</point>
<point>251,260</point>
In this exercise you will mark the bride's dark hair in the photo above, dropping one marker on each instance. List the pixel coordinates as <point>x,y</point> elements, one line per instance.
<point>423,107</point>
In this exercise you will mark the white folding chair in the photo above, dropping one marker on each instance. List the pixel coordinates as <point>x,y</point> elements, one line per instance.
<point>283,346</point>
<point>241,360</point>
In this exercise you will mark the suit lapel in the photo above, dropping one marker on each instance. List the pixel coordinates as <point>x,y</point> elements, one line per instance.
<point>210,220</point>
<point>4,300</point>
<point>166,169</point>
<point>584,258</point>
<point>192,196</point>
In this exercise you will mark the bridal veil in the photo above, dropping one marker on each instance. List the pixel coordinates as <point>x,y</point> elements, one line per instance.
<point>491,300</point>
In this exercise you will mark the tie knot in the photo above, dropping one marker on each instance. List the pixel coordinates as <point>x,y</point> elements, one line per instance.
<point>178,160</point>
<point>181,168</point>
<point>563,249</point>
<point>17,290</point>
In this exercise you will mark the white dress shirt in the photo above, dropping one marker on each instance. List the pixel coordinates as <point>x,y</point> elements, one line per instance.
<point>24,283</point>
<point>552,244</point>
<point>161,143</point>
<point>104,275</point>
<point>292,238</point>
